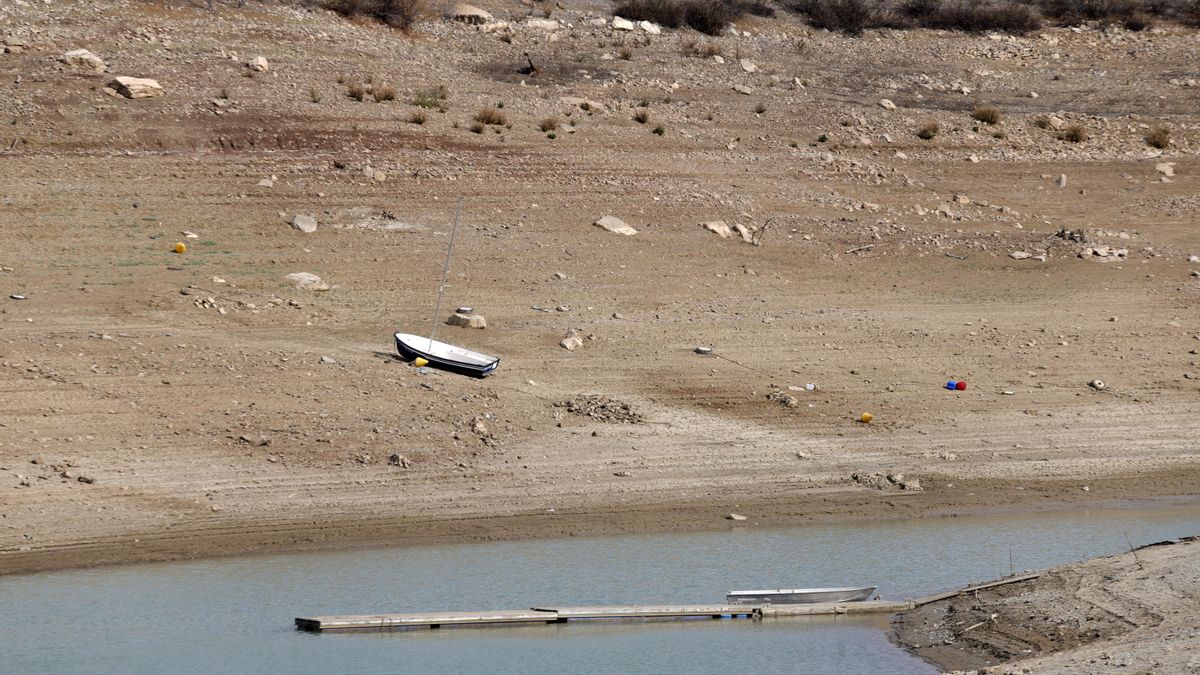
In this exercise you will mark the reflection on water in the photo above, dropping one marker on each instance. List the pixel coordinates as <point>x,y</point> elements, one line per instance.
<point>235,615</point>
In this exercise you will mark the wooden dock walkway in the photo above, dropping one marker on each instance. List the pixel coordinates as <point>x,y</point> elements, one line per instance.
<point>545,615</point>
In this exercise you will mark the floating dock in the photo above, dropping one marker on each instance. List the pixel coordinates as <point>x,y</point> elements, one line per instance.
<point>545,615</point>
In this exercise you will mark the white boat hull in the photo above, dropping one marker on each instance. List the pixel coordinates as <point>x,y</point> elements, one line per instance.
<point>798,596</point>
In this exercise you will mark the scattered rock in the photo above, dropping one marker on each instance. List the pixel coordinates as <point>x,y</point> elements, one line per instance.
<point>784,399</point>
<point>622,474</point>
<point>615,225</point>
<point>136,87</point>
<point>326,360</point>
<point>304,223</point>
<point>1020,255</point>
<point>735,516</point>
<point>571,341</point>
<point>307,281</point>
<point>86,479</point>
<point>470,14</point>
<point>1061,181</point>
<point>467,320</point>
<point>705,351</point>
<point>649,28</point>
<point>1098,385</point>
<point>1165,168</point>
<point>747,65</point>
<point>260,441</point>
<point>259,64</point>
<point>548,25</point>
<point>399,460</point>
<point>603,409</point>
<point>84,59</point>
<point>622,24</point>
<point>886,104</point>
<point>743,89</point>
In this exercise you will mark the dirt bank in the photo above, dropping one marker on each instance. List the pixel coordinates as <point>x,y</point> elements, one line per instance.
<point>1135,612</point>
<point>158,404</point>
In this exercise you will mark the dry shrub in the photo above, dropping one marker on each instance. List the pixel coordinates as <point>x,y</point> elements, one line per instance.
<point>988,114</point>
<point>492,116</point>
<point>476,128</point>
<point>626,52</point>
<point>1159,137</point>
<point>641,116</point>
<point>431,98</point>
<point>385,92</point>
<point>356,91</point>
<point>841,16</point>
<point>549,124</point>
<point>928,131</point>
<point>400,14</point>
<point>1075,133</point>
<point>418,117</point>
<point>979,17</point>
<point>314,95</point>
<point>854,16</point>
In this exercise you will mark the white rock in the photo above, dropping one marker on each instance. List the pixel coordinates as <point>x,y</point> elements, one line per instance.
<point>651,28</point>
<point>718,59</point>
<point>615,225</point>
<point>543,24</point>
<point>743,89</point>
<point>136,87</point>
<point>747,65</point>
<point>467,320</point>
<point>1194,258</point>
<point>719,228</point>
<point>259,64</point>
<point>82,58</point>
<point>267,183</point>
<point>735,516</point>
<point>571,342</point>
<point>886,104</point>
<point>1020,255</point>
<point>1165,168</point>
<point>1061,181</point>
<point>307,281</point>
<point>326,360</point>
<point>622,24</point>
<point>304,223</point>
<point>1056,122</point>
<point>470,14</point>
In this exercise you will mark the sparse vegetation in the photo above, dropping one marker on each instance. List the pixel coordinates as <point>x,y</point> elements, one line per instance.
<point>1042,123</point>
<point>400,14</point>
<point>823,138</point>
<point>659,130</point>
<point>760,108</point>
<point>383,92</point>
<point>702,49</point>
<point>314,95</point>
<point>223,94</point>
<point>854,16</point>
<point>491,116</point>
<point>988,114</point>
<point>1074,133</point>
<point>641,116</point>
<point>928,131</point>
<point>418,117</point>
<point>1159,137</point>
<point>356,91</point>
<point>552,135</point>
<point>432,98</point>
<point>476,128</point>
<point>549,124</point>
<point>626,53</point>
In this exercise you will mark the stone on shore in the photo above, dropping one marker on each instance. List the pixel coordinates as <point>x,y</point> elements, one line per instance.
<point>467,320</point>
<point>615,225</point>
<point>136,87</point>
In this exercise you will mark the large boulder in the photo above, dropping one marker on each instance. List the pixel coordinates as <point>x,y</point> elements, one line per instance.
<point>467,320</point>
<point>615,225</point>
<point>136,87</point>
<point>84,60</point>
<point>470,14</point>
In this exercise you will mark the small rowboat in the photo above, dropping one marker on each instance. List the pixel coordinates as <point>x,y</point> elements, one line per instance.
<point>797,596</point>
<point>445,356</point>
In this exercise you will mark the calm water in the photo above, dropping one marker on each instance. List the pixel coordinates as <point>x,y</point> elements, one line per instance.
<point>235,615</point>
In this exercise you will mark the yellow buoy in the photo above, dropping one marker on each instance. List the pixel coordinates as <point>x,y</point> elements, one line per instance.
<point>420,362</point>
<point>180,247</point>
<point>866,418</point>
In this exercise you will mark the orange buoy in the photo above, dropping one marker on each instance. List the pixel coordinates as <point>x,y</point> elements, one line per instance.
<point>420,362</point>
<point>866,418</point>
<point>180,247</point>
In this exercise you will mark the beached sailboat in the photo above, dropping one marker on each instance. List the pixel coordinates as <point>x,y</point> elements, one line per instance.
<point>442,355</point>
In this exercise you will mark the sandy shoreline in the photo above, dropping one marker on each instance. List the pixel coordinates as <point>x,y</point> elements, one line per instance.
<point>277,533</point>
<point>1135,610</point>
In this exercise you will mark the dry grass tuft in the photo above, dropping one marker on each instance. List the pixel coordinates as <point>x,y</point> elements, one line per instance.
<point>400,14</point>
<point>1075,133</point>
<point>491,115</point>
<point>988,114</point>
<point>641,116</point>
<point>549,124</point>
<point>418,117</point>
<point>356,91</point>
<point>1159,137</point>
<point>383,92</point>
<point>928,131</point>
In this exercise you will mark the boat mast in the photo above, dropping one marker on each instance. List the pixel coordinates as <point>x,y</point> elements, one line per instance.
<point>437,310</point>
